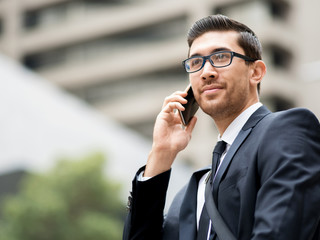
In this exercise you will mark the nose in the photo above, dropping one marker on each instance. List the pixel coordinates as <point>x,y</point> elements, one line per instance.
<point>208,72</point>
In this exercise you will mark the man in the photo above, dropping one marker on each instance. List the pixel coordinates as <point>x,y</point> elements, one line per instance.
<point>267,185</point>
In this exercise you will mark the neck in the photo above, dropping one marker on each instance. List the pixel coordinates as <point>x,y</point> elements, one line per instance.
<point>222,122</point>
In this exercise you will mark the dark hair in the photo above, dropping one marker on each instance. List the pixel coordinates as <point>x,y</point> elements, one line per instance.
<point>247,40</point>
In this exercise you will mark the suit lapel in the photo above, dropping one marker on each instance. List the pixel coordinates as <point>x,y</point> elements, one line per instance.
<point>227,160</point>
<point>187,223</point>
<point>243,134</point>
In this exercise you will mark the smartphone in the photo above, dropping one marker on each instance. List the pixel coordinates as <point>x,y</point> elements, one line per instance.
<point>191,107</point>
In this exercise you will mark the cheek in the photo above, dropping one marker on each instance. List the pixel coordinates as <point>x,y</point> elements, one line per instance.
<point>195,86</point>
<point>197,96</point>
<point>237,81</point>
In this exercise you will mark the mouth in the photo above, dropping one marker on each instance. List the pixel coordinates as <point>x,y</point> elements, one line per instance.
<point>211,89</point>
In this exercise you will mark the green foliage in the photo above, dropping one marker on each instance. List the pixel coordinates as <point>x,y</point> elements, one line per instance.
<point>72,201</point>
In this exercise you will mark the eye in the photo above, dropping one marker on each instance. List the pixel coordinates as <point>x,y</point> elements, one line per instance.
<point>221,57</point>
<point>194,62</point>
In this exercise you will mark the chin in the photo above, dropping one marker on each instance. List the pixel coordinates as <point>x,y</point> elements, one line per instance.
<point>210,109</point>
<point>215,109</point>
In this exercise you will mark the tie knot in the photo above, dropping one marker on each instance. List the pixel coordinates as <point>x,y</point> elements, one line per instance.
<point>220,147</point>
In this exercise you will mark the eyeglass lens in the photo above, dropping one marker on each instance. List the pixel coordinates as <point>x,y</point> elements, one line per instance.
<point>217,59</point>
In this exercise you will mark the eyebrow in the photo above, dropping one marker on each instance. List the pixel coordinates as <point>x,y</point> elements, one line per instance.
<point>214,51</point>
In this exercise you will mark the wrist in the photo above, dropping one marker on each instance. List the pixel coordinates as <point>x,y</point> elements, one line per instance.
<point>159,161</point>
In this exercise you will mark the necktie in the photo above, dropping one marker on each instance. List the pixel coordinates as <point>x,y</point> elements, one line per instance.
<point>203,225</point>
<point>204,218</point>
<point>216,155</point>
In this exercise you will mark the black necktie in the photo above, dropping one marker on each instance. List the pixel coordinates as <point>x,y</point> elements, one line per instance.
<point>216,155</point>
<point>203,225</point>
<point>204,218</point>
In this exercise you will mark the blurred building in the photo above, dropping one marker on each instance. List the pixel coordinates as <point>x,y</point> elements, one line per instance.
<point>123,57</point>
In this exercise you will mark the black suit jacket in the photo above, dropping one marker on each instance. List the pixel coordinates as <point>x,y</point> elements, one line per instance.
<point>268,185</point>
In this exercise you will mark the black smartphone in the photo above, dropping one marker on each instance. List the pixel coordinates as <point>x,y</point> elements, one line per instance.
<point>191,107</point>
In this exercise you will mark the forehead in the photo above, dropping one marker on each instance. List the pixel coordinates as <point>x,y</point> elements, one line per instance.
<point>215,40</point>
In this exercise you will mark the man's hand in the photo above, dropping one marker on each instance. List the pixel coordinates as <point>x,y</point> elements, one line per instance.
<point>169,137</point>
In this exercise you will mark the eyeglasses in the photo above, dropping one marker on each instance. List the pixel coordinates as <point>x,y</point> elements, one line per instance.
<point>217,59</point>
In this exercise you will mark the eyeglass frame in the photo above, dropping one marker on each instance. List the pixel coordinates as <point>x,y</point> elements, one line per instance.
<point>208,57</point>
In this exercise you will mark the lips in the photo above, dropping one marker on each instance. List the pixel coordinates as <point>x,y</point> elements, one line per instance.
<point>211,89</point>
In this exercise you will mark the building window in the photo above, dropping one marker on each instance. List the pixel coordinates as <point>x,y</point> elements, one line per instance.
<point>255,10</point>
<point>279,9</point>
<point>44,17</point>
<point>115,88</point>
<point>279,56</point>
<point>58,13</point>
<point>277,103</point>
<point>155,32</point>
<point>46,59</point>
<point>107,45</point>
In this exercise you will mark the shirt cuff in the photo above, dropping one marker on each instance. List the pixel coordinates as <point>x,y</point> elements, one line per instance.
<point>141,178</point>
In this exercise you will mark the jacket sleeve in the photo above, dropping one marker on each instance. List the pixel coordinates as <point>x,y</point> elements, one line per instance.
<point>288,201</point>
<point>145,205</point>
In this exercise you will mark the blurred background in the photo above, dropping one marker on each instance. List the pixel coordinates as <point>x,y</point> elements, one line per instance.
<point>86,78</point>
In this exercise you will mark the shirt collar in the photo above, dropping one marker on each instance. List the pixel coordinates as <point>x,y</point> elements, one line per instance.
<point>234,128</point>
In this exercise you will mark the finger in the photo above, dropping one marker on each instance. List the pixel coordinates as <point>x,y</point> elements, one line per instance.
<point>181,93</point>
<point>174,98</point>
<point>171,106</point>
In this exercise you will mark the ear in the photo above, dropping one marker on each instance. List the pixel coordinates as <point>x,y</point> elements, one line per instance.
<point>258,70</point>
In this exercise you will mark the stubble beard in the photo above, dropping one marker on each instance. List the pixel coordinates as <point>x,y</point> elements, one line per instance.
<point>226,108</point>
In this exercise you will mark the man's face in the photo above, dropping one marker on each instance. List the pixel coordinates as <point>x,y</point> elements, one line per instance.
<point>222,92</point>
